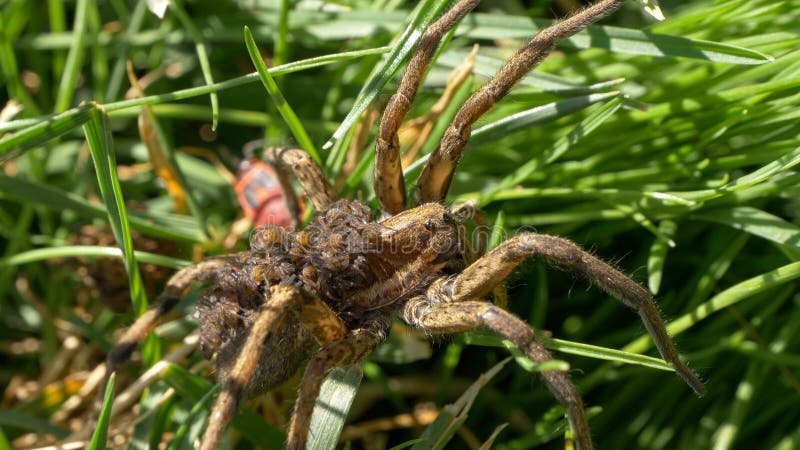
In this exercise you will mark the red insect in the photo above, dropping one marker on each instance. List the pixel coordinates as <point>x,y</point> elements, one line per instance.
<point>263,197</point>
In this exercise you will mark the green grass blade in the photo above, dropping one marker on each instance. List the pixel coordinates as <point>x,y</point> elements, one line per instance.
<point>658,255</point>
<point>452,416</point>
<point>4,444</point>
<point>551,112</point>
<point>202,56</point>
<point>253,428</point>
<point>170,226</point>
<point>118,71</point>
<point>330,410</point>
<point>539,114</point>
<point>90,251</point>
<point>26,422</point>
<point>758,223</point>
<point>620,40</point>
<point>183,94</point>
<point>10,68</point>
<point>729,297</point>
<point>100,435</point>
<point>192,427</point>
<point>298,130</point>
<point>74,58</point>
<point>488,66</point>
<point>98,137</point>
<point>782,164</point>
<point>573,348</point>
<point>490,441</point>
<point>43,130</point>
<point>401,51</point>
<point>625,40</point>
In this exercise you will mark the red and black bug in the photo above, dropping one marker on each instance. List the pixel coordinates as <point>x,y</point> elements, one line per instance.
<point>265,194</point>
<point>262,197</point>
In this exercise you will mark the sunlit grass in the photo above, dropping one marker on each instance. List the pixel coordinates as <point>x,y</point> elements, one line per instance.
<point>668,147</point>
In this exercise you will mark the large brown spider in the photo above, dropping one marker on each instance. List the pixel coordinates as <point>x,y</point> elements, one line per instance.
<point>340,282</point>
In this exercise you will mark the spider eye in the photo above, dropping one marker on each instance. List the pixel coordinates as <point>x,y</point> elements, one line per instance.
<point>429,225</point>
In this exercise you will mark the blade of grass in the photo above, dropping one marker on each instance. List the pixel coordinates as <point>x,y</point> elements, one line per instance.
<point>731,296</point>
<point>781,164</point>
<point>297,128</point>
<point>74,58</point>
<point>658,255</point>
<point>758,223</point>
<point>43,130</point>
<point>330,409</point>
<point>202,56</point>
<point>100,435</point>
<point>164,225</point>
<point>618,40</point>
<point>253,428</point>
<point>10,68</point>
<point>551,112</point>
<point>452,416</point>
<point>90,251</point>
<point>192,426</point>
<point>488,66</point>
<point>118,71</point>
<point>544,113</point>
<point>490,441</point>
<point>572,348</point>
<point>98,136</point>
<point>162,157</point>
<point>26,422</point>
<point>401,51</point>
<point>182,94</point>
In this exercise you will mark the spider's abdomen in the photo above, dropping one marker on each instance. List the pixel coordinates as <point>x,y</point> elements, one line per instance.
<point>227,311</point>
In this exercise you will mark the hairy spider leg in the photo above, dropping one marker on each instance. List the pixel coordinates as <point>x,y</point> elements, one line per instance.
<point>438,171</point>
<point>388,170</point>
<point>479,278</point>
<point>311,177</point>
<point>447,318</point>
<point>350,349</point>
<point>176,288</point>
<point>476,248</point>
<point>314,315</point>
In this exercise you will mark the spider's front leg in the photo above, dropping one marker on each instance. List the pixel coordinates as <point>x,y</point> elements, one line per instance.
<point>455,317</point>
<point>434,181</point>
<point>479,278</point>
<point>310,175</point>
<point>388,171</point>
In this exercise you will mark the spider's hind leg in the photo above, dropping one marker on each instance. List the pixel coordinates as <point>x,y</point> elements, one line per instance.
<point>314,316</point>
<point>350,349</point>
<point>176,288</point>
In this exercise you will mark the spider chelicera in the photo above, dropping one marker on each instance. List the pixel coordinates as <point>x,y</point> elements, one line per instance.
<point>339,283</point>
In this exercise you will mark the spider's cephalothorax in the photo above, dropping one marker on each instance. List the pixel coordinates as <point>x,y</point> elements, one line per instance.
<point>340,282</point>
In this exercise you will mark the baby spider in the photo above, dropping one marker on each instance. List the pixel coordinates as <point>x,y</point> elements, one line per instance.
<point>340,282</point>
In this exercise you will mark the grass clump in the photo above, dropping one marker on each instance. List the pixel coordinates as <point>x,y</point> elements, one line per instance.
<point>669,146</point>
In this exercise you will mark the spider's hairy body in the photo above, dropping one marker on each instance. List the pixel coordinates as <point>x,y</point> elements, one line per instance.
<point>337,258</point>
<point>341,281</point>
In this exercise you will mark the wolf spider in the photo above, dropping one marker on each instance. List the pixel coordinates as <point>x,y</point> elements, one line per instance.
<point>339,283</point>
